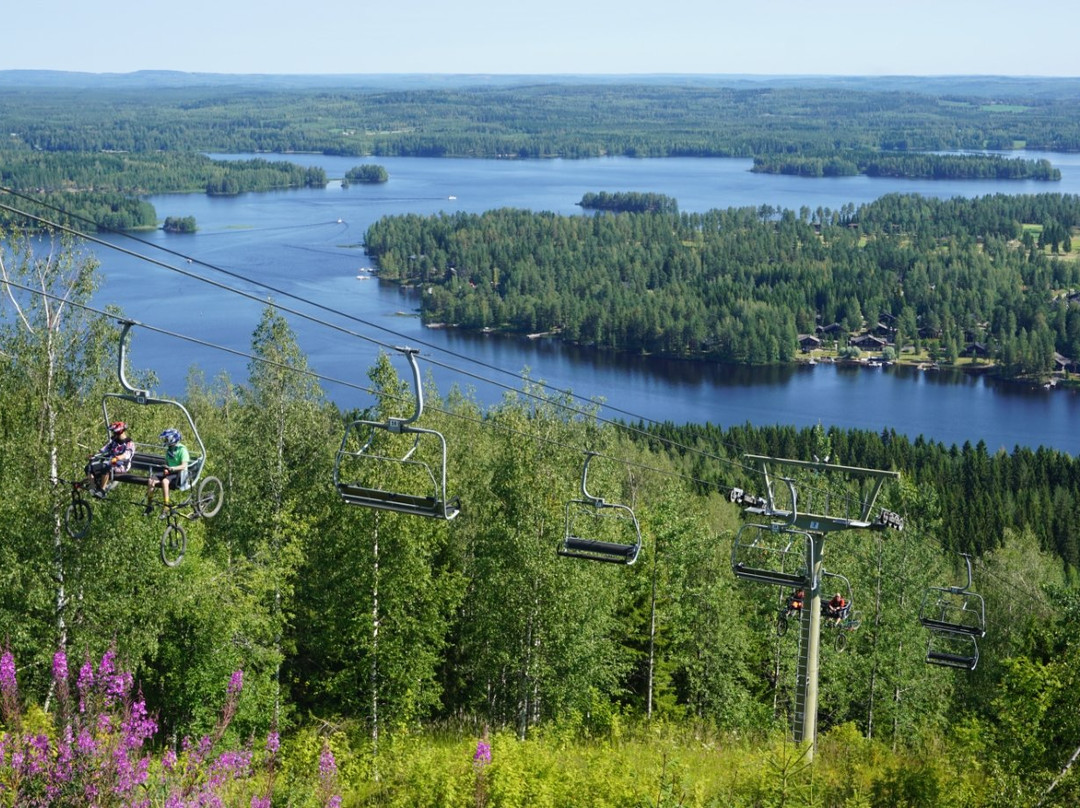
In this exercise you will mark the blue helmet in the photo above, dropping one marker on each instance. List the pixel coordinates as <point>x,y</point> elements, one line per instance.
<point>170,436</point>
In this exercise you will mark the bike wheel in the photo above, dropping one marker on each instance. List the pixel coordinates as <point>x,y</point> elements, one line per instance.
<point>840,643</point>
<point>781,625</point>
<point>77,518</point>
<point>173,545</point>
<point>209,496</point>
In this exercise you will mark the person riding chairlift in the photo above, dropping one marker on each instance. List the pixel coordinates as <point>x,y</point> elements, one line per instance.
<point>175,471</point>
<point>836,608</point>
<point>111,459</point>
<point>795,602</point>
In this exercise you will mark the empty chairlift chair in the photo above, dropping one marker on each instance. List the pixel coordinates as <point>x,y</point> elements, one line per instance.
<point>598,530</point>
<point>775,553</point>
<point>395,466</point>
<point>956,618</point>
<point>952,650</point>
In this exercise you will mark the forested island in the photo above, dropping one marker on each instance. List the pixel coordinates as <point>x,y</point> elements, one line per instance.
<point>912,166</point>
<point>629,202</point>
<point>925,276</point>
<point>180,224</point>
<point>368,172</point>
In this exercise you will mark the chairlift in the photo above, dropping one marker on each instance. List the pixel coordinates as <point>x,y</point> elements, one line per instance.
<point>772,554</point>
<point>358,472</point>
<point>776,553</point>
<point>160,413</point>
<point>954,609</point>
<point>149,415</point>
<point>598,530</point>
<point>952,650</point>
<point>847,620</point>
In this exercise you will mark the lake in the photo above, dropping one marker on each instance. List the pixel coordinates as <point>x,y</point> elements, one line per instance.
<point>308,243</point>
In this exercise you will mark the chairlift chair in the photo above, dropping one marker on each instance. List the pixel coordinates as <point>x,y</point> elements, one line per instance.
<point>845,589</point>
<point>954,609</point>
<point>776,553</point>
<point>162,412</point>
<point>952,650</point>
<point>357,471</point>
<point>772,554</point>
<point>592,517</point>
<point>148,416</point>
<point>848,619</point>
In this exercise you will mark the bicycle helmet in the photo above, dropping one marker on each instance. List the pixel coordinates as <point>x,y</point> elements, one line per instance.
<point>116,427</point>
<point>170,436</point>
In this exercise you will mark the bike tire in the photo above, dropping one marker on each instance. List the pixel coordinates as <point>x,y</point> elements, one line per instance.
<point>77,518</point>
<point>781,625</point>
<point>209,497</point>
<point>840,643</point>
<point>173,545</point>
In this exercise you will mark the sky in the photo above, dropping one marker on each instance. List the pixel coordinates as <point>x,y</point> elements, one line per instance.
<point>771,37</point>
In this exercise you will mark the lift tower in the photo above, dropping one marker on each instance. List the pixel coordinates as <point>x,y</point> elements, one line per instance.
<point>785,548</point>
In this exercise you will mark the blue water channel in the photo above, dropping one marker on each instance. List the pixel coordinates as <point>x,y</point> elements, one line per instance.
<point>308,243</point>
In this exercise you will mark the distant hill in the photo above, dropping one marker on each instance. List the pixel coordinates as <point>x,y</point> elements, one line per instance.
<point>982,86</point>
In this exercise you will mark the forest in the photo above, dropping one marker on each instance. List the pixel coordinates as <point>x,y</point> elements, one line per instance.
<point>740,285</point>
<point>929,166</point>
<point>105,188</point>
<point>332,654</point>
<point>98,149</point>
<point>541,119</point>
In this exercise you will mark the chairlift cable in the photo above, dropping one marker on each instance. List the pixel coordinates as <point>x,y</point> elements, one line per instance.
<point>351,385</point>
<point>239,276</point>
<point>318,321</point>
<point>275,290</point>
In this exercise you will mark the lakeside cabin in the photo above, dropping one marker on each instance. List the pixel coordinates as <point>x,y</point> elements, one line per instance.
<point>868,342</point>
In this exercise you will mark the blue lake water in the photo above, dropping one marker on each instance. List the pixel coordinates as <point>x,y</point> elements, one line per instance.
<point>308,244</point>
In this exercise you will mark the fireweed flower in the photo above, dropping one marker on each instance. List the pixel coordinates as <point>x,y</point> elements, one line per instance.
<point>328,777</point>
<point>98,757</point>
<point>85,743</point>
<point>9,690</point>
<point>85,684</point>
<point>138,727</point>
<point>482,755</point>
<point>168,760</point>
<point>236,683</point>
<point>60,679</point>
<point>7,670</point>
<point>60,666</point>
<point>108,664</point>
<point>327,763</point>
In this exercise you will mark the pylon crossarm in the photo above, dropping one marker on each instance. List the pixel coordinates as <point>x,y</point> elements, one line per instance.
<point>821,522</point>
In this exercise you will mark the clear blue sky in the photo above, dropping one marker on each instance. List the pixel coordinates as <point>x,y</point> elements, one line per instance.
<point>871,37</point>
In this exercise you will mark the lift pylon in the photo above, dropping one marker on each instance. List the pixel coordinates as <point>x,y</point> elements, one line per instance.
<point>783,513</point>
